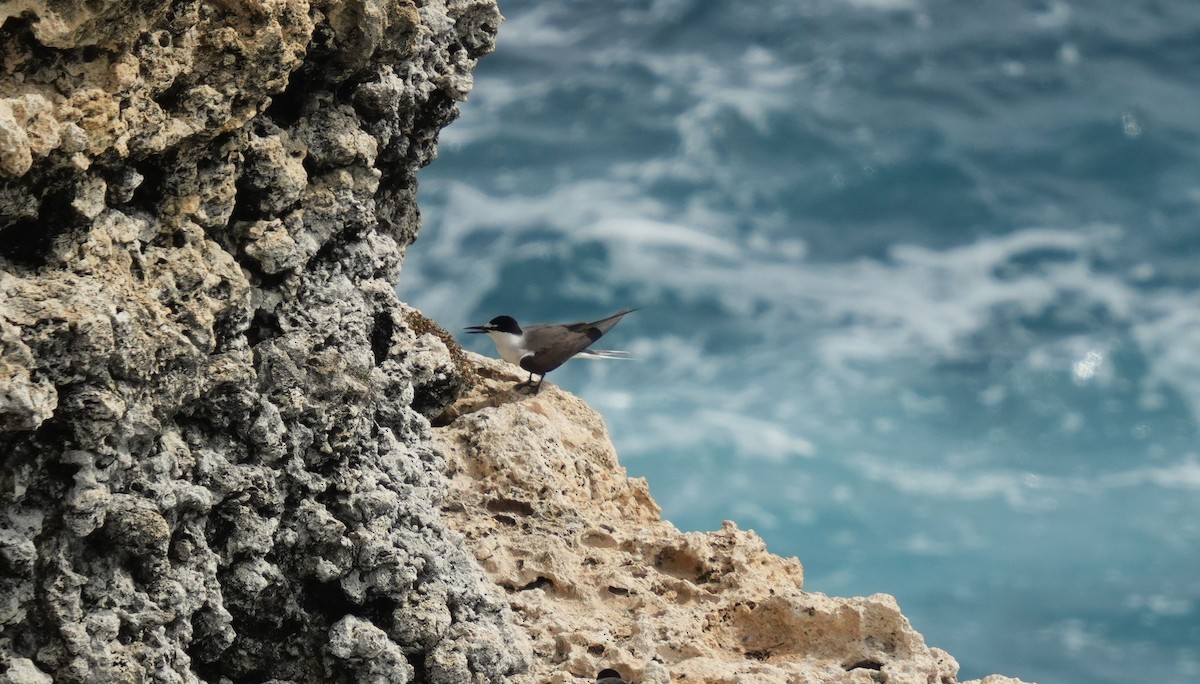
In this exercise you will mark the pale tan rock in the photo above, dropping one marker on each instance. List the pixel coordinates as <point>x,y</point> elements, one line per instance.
<point>150,81</point>
<point>597,579</point>
<point>26,130</point>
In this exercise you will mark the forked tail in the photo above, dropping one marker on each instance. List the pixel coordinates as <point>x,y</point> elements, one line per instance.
<point>601,354</point>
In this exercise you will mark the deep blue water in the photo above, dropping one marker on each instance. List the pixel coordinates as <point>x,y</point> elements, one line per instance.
<point>921,290</point>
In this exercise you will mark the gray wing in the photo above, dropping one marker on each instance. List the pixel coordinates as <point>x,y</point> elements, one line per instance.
<point>595,329</point>
<point>560,342</point>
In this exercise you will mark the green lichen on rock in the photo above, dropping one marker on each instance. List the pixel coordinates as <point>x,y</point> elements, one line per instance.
<point>423,325</point>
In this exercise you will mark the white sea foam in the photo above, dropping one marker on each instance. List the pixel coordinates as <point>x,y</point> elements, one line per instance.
<point>1184,474</point>
<point>943,484</point>
<point>889,5</point>
<point>918,303</point>
<point>635,234</point>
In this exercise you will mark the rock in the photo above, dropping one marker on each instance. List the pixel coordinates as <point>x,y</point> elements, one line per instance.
<point>216,465</point>
<point>23,671</point>
<point>597,579</point>
<point>25,402</point>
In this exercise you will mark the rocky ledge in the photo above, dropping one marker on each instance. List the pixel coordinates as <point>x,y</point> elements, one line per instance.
<point>216,454</point>
<point>596,578</point>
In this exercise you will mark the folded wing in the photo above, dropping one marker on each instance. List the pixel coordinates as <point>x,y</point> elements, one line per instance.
<point>558,343</point>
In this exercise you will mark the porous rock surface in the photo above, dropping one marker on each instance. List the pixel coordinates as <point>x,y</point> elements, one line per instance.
<point>213,460</point>
<point>597,579</point>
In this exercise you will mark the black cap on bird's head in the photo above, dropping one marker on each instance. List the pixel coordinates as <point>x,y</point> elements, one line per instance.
<point>505,324</point>
<point>609,676</point>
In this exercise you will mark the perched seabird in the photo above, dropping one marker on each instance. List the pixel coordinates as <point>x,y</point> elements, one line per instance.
<point>540,349</point>
<point>609,676</point>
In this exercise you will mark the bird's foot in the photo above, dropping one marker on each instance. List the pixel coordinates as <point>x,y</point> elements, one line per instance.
<point>534,388</point>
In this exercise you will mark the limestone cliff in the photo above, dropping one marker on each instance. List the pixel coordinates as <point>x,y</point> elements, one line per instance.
<point>215,463</point>
<point>216,459</point>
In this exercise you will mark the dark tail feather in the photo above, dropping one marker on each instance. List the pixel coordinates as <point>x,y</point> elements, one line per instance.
<point>605,324</point>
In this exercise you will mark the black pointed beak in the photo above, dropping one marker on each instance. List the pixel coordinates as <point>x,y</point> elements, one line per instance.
<point>477,329</point>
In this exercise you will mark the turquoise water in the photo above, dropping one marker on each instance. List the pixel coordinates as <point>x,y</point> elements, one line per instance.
<point>921,290</point>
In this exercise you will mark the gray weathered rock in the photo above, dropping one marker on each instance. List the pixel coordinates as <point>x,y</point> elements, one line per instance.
<point>215,463</point>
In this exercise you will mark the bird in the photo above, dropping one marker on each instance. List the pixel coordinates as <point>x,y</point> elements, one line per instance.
<point>609,676</point>
<point>541,348</point>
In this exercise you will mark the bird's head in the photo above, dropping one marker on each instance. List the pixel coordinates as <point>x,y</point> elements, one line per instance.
<point>503,324</point>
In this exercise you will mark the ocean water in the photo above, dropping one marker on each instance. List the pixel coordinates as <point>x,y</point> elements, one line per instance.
<point>920,284</point>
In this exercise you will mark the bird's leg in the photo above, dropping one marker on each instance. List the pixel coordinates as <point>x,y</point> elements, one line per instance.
<point>534,387</point>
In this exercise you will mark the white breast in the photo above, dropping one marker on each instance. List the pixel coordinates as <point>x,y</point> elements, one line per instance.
<point>510,347</point>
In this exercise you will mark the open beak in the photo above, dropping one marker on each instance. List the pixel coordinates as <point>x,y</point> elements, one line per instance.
<point>477,329</point>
